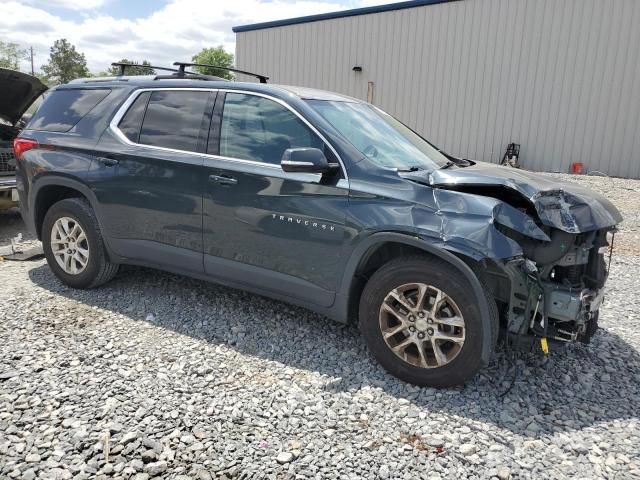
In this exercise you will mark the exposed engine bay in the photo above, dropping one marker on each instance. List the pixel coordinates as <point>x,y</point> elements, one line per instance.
<point>7,158</point>
<point>555,289</point>
<point>19,93</point>
<point>8,194</point>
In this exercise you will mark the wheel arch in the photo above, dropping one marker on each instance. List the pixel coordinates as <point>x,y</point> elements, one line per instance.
<point>51,189</point>
<point>374,251</point>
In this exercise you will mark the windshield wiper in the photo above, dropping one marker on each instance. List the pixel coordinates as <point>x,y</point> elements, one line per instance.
<point>448,164</point>
<point>412,168</point>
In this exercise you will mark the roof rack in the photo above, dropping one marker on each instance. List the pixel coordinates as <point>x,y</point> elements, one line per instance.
<point>181,65</point>
<point>177,72</point>
<point>124,65</point>
<point>191,76</point>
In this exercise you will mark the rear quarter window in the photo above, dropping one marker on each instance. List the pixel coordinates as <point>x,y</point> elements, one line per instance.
<point>132,120</point>
<point>63,109</point>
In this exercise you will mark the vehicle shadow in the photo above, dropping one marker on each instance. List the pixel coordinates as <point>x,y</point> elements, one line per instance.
<point>573,389</point>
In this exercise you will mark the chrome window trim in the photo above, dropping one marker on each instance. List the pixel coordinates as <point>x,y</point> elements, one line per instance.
<point>113,126</point>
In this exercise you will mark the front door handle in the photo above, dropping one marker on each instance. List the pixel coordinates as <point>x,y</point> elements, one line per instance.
<point>223,180</point>
<point>108,162</point>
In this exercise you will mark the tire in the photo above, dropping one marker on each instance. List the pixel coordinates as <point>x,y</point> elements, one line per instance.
<point>98,269</point>
<point>463,355</point>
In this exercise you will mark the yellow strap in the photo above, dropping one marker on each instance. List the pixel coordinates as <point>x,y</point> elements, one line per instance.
<point>544,345</point>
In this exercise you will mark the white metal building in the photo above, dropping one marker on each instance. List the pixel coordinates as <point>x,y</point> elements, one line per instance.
<point>559,77</point>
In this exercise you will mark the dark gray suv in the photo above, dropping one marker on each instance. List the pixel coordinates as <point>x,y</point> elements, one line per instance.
<point>320,200</point>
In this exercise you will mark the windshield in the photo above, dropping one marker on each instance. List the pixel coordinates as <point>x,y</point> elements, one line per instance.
<point>379,136</point>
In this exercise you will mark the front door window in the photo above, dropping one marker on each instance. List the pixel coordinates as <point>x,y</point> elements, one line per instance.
<point>259,129</point>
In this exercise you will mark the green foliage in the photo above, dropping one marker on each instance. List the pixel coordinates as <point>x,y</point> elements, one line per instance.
<point>10,55</point>
<point>214,56</point>
<point>65,63</point>
<point>135,70</point>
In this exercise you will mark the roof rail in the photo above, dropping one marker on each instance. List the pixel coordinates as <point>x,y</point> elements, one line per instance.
<point>190,76</point>
<point>124,65</point>
<point>181,65</point>
<point>177,72</point>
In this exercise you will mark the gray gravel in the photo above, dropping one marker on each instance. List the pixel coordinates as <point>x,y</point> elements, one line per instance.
<point>11,225</point>
<point>155,375</point>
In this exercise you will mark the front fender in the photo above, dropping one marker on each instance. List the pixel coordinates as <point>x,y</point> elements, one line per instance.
<point>466,224</point>
<point>369,244</point>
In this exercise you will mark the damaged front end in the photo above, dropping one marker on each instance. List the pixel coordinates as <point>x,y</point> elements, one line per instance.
<point>555,289</point>
<point>541,247</point>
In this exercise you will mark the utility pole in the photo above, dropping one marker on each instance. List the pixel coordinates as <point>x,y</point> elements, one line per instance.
<point>32,71</point>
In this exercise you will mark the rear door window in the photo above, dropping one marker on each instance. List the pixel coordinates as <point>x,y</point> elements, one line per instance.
<point>63,109</point>
<point>173,119</point>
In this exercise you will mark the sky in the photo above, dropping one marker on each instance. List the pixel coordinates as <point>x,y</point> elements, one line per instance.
<point>161,31</point>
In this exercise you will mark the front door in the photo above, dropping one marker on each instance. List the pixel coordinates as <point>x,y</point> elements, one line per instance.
<point>148,178</point>
<point>263,227</point>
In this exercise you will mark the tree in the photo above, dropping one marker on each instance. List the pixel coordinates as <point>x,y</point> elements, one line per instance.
<point>65,63</point>
<point>214,56</point>
<point>10,55</point>
<point>132,70</point>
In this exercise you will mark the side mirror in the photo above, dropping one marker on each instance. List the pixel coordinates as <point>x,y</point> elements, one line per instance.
<point>306,160</point>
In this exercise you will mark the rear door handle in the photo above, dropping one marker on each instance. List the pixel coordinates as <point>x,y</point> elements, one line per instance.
<point>223,180</point>
<point>108,162</point>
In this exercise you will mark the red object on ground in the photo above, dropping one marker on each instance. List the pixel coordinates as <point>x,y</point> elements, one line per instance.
<point>576,167</point>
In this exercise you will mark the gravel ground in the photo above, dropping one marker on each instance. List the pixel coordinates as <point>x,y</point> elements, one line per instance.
<point>156,375</point>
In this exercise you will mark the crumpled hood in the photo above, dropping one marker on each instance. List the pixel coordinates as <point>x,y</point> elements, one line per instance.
<point>17,92</point>
<point>565,206</point>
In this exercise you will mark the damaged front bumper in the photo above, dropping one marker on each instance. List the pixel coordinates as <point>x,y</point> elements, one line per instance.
<point>538,308</point>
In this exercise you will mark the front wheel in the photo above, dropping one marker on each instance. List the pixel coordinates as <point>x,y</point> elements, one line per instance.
<point>422,324</point>
<point>73,245</point>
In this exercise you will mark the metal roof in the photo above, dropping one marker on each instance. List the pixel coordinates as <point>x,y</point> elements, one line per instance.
<point>316,94</point>
<point>152,81</point>
<point>342,14</point>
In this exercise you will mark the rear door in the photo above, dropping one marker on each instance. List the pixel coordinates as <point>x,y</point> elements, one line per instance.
<point>263,227</point>
<point>148,177</point>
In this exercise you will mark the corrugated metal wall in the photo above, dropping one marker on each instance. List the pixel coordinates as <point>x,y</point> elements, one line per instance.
<point>560,77</point>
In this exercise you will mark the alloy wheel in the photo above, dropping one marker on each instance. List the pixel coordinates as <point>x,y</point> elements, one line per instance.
<point>69,245</point>
<point>422,325</point>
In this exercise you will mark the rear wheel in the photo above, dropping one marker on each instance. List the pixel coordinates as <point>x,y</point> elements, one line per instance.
<point>73,245</point>
<point>422,324</point>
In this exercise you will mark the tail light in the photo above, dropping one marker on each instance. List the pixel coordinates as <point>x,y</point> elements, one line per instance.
<point>21,145</point>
